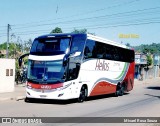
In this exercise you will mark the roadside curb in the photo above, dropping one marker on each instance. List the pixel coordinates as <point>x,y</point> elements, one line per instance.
<point>5,99</point>
<point>17,98</point>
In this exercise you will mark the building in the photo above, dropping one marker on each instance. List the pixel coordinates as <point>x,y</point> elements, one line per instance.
<point>7,75</point>
<point>140,64</point>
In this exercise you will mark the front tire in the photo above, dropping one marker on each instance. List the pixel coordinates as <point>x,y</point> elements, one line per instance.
<point>28,100</point>
<point>83,94</point>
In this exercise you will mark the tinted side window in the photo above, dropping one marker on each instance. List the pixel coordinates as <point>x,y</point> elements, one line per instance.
<point>77,44</point>
<point>90,49</point>
<point>100,50</point>
<point>126,55</point>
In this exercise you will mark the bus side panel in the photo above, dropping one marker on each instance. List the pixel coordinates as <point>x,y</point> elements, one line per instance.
<point>103,88</point>
<point>98,78</point>
<point>129,79</point>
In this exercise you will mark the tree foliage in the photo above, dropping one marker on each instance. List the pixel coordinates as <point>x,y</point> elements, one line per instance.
<point>15,49</point>
<point>56,30</point>
<point>149,60</point>
<point>27,45</point>
<point>128,44</point>
<point>83,31</point>
<point>153,48</point>
<point>77,31</point>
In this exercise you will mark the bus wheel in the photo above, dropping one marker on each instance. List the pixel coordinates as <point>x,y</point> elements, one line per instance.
<point>120,90</point>
<point>83,94</point>
<point>28,100</point>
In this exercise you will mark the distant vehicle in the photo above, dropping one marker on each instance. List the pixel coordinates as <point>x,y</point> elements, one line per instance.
<point>67,66</point>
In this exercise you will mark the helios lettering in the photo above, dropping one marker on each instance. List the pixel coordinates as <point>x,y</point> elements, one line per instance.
<point>102,65</point>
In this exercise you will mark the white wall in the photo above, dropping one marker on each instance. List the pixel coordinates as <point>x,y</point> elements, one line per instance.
<point>7,82</point>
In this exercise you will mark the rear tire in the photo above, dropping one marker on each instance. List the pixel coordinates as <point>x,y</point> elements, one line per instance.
<point>120,90</point>
<point>83,94</point>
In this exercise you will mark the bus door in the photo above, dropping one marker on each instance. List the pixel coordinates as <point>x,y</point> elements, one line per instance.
<point>75,56</point>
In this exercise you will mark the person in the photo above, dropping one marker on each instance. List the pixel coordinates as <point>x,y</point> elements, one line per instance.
<point>140,74</point>
<point>24,74</point>
<point>18,76</point>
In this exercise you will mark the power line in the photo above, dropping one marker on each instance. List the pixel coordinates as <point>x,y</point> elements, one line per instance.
<point>101,27</point>
<point>105,24</point>
<point>86,13</point>
<point>128,21</point>
<point>133,24</point>
<point>2,35</point>
<point>2,26</point>
<point>135,20</point>
<point>122,14</point>
<point>95,17</point>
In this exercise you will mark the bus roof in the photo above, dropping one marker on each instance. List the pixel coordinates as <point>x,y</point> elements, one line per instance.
<point>88,36</point>
<point>60,35</point>
<point>103,40</point>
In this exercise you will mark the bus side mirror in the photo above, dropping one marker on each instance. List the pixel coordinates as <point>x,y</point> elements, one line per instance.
<point>20,62</point>
<point>75,54</point>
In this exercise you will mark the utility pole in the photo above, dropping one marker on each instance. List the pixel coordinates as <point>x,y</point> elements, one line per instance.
<point>7,51</point>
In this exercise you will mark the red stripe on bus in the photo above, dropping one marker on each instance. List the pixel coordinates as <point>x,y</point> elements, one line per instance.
<point>103,87</point>
<point>45,86</point>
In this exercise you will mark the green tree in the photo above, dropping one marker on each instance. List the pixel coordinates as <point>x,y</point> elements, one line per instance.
<point>128,44</point>
<point>27,45</point>
<point>3,46</point>
<point>149,60</point>
<point>153,48</point>
<point>57,30</point>
<point>13,49</point>
<point>77,31</point>
<point>146,50</point>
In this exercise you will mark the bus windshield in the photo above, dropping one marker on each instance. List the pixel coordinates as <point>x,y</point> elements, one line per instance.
<point>50,46</point>
<point>45,71</point>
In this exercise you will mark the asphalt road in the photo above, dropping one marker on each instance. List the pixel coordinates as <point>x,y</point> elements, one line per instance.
<point>143,101</point>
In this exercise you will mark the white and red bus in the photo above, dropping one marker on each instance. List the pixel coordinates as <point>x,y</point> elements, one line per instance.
<point>68,66</point>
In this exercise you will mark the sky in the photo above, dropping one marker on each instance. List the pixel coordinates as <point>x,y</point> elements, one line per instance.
<point>125,21</point>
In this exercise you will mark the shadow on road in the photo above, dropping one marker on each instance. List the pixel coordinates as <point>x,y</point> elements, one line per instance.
<point>49,101</point>
<point>152,95</point>
<point>103,96</point>
<point>64,102</point>
<point>154,87</point>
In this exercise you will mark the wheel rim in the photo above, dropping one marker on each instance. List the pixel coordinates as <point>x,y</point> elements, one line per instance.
<point>120,90</point>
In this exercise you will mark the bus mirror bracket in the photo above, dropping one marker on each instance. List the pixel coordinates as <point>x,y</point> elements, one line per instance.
<point>20,59</point>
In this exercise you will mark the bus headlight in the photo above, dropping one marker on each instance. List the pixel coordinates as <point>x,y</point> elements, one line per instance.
<point>65,86</point>
<point>29,86</point>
